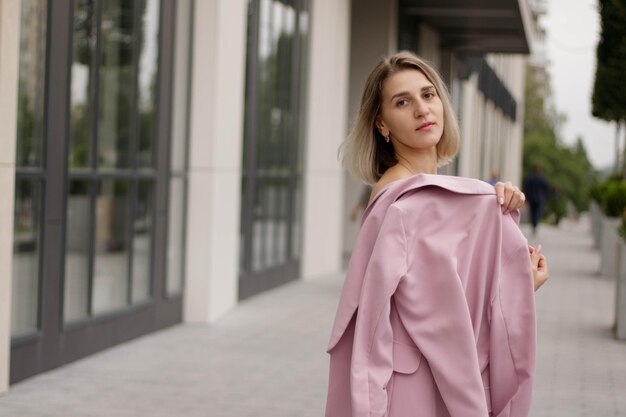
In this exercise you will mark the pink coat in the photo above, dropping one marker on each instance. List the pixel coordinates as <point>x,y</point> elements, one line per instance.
<point>437,313</point>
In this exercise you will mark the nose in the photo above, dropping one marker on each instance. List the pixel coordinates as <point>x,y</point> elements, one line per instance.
<point>420,109</point>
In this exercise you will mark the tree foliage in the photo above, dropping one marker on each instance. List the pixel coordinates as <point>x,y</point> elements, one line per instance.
<point>567,168</point>
<point>609,91</point>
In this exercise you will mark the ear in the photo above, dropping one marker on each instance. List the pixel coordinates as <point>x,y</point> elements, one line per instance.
<point>380,125</point>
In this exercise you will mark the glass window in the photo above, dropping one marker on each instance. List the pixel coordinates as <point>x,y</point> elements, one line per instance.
<point>26,252</point>
<point>271,181</point>
<point>31,88</point>
<point>116,90</point>
<point>82,85</point>
<point>148,64</point>
<point>176,235</point>
<point>142,241</point>
<point>77,245</point>
<point>29,178</point>
<point>110,284</point>
<point>111,180</point>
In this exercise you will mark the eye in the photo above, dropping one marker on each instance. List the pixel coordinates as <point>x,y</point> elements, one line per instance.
<point>429,95</point>
<point>402,102</point>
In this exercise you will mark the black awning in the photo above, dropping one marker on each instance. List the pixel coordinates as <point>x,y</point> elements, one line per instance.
<point>475,26</point>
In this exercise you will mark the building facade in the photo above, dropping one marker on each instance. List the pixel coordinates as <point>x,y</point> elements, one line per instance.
<point>164,160</point>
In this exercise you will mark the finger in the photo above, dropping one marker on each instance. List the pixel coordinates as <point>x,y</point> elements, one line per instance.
<point>509,192</point>
<point>520,200</point>
<point>534,259</point>
<point>531,249</point>
<point>500,192</point>
<point>513,202</point>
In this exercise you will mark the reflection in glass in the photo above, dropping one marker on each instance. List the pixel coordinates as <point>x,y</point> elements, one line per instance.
<point>110,282</point>
<point>116,95</point>
<point>31,90</point>
<point>113,82</point>
<point>296,222</point>
<point>180,93</point>
<point>175,236</point>
<point>28,199</point>
<point>296,181</point>
<point>83,73</point>
<point>148,62</point>
<point>142,242</point>
<point>76,284</point>
<point>26,250</point>
<point>276,134</point>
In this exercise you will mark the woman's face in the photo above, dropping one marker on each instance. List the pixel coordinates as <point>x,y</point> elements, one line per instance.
<point>411,111</point>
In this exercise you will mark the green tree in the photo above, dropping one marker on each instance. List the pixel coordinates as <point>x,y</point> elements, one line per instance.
<point>609,91</point>
<point>567,168</point>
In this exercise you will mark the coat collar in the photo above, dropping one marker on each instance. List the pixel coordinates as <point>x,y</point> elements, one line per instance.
<point>396,189</point>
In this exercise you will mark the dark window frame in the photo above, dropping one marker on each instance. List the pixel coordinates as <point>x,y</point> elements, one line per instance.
<point>55,344</point>
<point>96,175</point>
<point>36,174</point>
<point>251,280</point>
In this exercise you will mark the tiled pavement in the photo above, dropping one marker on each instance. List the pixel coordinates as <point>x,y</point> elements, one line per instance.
<point>581,368</point>
<point>266,358</point>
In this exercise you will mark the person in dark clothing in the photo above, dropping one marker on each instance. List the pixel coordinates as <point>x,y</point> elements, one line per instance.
<point>536,190</point>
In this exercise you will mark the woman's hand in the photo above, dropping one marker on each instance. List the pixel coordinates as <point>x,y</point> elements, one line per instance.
<point>510,197</point>
<point>539,266</point>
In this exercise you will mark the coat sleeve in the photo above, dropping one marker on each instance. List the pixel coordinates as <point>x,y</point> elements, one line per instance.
<point>372,362</point>
<point>513,335</point>
<point>432,305</point>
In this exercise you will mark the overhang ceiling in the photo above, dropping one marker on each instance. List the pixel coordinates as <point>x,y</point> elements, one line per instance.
<point>475,26</point>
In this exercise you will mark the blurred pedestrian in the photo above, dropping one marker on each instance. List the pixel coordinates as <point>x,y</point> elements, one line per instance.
<point>536,190</point>
<point>494,178</point>
<point>437,314</point>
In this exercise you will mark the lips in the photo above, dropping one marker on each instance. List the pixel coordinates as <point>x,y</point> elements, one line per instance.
<point>425,126</point>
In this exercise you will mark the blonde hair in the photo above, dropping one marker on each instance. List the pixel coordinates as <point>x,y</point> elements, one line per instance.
<point>365,153</point>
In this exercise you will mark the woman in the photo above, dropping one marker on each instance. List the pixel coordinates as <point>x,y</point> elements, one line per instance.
<point>436,316</point>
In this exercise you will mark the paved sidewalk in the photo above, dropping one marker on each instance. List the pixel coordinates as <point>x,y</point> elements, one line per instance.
<point>266,358</point>
<point>581,368</point>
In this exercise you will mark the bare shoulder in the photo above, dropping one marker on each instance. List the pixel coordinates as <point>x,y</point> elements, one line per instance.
<point>391,175</point>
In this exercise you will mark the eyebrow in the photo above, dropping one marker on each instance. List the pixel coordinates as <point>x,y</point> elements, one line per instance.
<point>406,93</point>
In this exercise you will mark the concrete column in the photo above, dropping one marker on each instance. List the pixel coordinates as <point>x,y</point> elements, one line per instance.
<point>473,128</point>
<point>215,141</point>
<point>9,66</point>
<point>429,41</point>
<point>467,89</point>
<point>326,128</point>
<point>516,84</point>
<point>373,34</point>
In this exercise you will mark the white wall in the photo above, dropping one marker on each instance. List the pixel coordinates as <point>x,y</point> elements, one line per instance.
<point>216,138</point>
<point>517,86</point>
<point>472,128</point>
<point>511,70</point>
<point>485,127</point>
<point>326,128</point>
<point>373,34</point>
<point>9,64</point>
<point>428,45</point>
